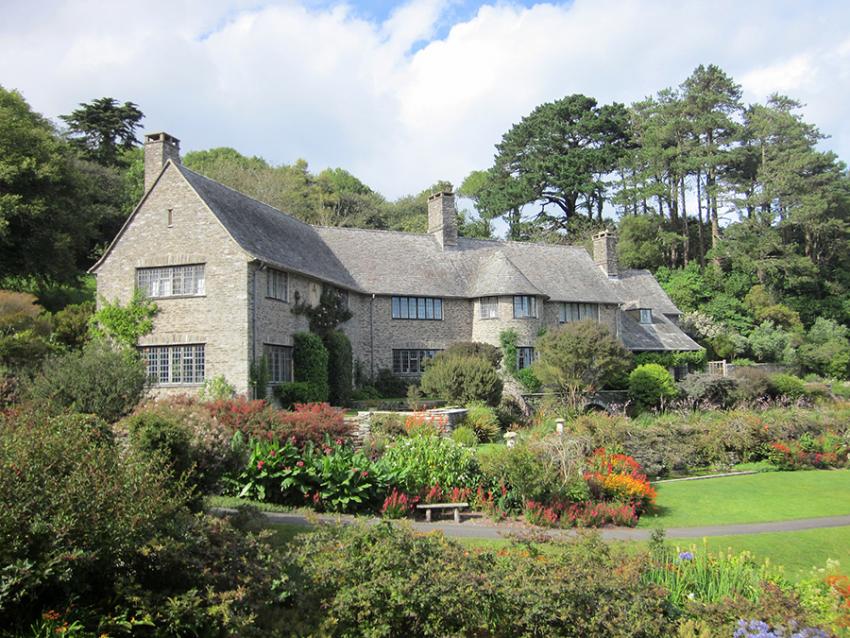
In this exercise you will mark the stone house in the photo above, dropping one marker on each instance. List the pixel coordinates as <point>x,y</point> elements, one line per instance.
<point>226,270</point>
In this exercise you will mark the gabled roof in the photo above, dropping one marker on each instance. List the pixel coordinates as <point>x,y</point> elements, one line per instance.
<point>640,289</point>
<point>269,235</point>
<point>661,334</point>
<point>498,275</point>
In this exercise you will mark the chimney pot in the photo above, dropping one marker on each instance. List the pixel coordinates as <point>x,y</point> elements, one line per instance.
<point>159,148</point>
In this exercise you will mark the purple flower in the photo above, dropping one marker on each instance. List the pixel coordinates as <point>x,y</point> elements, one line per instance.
<point>686,555</point>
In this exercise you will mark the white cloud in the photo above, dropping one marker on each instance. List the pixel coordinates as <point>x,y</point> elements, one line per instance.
<point>393,102</point>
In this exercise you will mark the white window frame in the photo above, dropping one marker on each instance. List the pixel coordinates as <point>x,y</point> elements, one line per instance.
<point>277,284</point>
<point>280,363</point>
<point>177,364</point>
<point>574,311</point>
<point>172,281</point>
<point>488,308</point>
<point>646,315</point>
<point>525,307</point>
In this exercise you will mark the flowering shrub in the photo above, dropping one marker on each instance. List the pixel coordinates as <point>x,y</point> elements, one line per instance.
<point>423,424</point>
<point>436,494</point>
<point>495,503</point>
<point>419,462</point>
<point>823,451</point>
<point>581,514</point>
<point>398,505</point>
<point>258,420</point>
<point>332,477</point>
<point>618,477</point>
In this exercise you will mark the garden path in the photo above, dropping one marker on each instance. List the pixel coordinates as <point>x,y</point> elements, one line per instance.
<point>476,527</point>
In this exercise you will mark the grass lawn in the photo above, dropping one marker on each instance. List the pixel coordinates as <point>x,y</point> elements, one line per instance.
<point>757,498</point>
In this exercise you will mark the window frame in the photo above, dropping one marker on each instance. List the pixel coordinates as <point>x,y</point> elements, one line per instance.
<point>523,353</point>
<point>171,361</point>
<point>527,306</point>
<point>409,308</point>
<point>403,356</point>
<point>645,316</point>
<point>273,275</point>
<point>285,365</point>
<point>581,310</point>
<point>491,304</point>
<point>149,278</point>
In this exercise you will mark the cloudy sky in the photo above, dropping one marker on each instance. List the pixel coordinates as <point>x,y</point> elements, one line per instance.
<point>403,94</point>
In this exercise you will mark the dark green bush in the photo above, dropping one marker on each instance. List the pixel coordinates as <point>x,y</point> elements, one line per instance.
<point>475,349</point>
<point>310,360</point>
<point>650,385</point>
<point>529,380</point>
<point>483,421</point>
<point>786,385</point>
<point>462,380</point>
<point>288,394</point>
<point>340,368</point>
<point>389,385</point>
<point>109,537</point>
<point>158,434</point>
<point>98,380</point>
<point>352,580</point>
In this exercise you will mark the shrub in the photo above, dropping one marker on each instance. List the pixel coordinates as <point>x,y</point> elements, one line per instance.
<point>650,385</point>
<point>709,389</point>
<point>314,422</point>
<point>578,357</point>
<point>523,473</point>
<point>332,477</point>
<point>462,380</point>
<point>475,349</point>
<point>154,434</point>
<point>390,386</point>
<point>483,421</point>
<point>398,505</point>
<point>216,389</point>
<point>786,385</point>
<point>388,424</point>
<point>123,325</point>
<point>109,538</point>
<point>619,477</point>
<point>288,394</point>
<point>340,368</point>
<point>209,451</point>
<point>419,462</point>
<point>98,380</point>
<point>753,383</point>
<point>310,361</point>
<point>465,435</point>
<point>529,380</point>
<point>355,580</point>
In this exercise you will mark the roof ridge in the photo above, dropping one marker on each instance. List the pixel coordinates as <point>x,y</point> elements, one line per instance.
<point>371,230</point>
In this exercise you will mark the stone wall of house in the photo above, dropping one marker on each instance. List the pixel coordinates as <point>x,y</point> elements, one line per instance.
<point>217,319</point>
<point>390,334</point>
<point>527,329</point>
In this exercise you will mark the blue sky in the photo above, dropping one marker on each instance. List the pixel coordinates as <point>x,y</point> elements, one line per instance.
<point>404,94</point>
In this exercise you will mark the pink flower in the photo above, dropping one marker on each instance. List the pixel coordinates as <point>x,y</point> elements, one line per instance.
<point>364,473</point>
<point>339,441</point>
<point>272,452</point>
<point>300,464</point>
<point>260,464</point>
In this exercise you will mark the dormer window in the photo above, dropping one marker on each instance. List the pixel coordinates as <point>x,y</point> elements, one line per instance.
<point>646,315</point>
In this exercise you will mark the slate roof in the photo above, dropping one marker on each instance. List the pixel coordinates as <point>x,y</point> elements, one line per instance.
<point>269,235</point>
<point>639,289</point>
<point>661,334</point>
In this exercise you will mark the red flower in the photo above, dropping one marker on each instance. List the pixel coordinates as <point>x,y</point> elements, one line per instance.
<point>364,473</point>
<point>260,464</point>
<point>300,464</point>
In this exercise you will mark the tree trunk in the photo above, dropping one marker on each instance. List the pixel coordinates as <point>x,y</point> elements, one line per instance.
<point>686,248</point>
<point>700,239</point>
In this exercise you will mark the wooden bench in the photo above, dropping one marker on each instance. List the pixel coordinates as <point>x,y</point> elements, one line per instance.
<point>456,507</point>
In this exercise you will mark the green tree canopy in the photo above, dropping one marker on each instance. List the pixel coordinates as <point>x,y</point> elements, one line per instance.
<point>103,128</point>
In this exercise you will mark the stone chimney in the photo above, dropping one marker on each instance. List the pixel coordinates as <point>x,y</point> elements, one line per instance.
<point>442,218</point>
<point>159,148</point>
<point>605,252</point>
